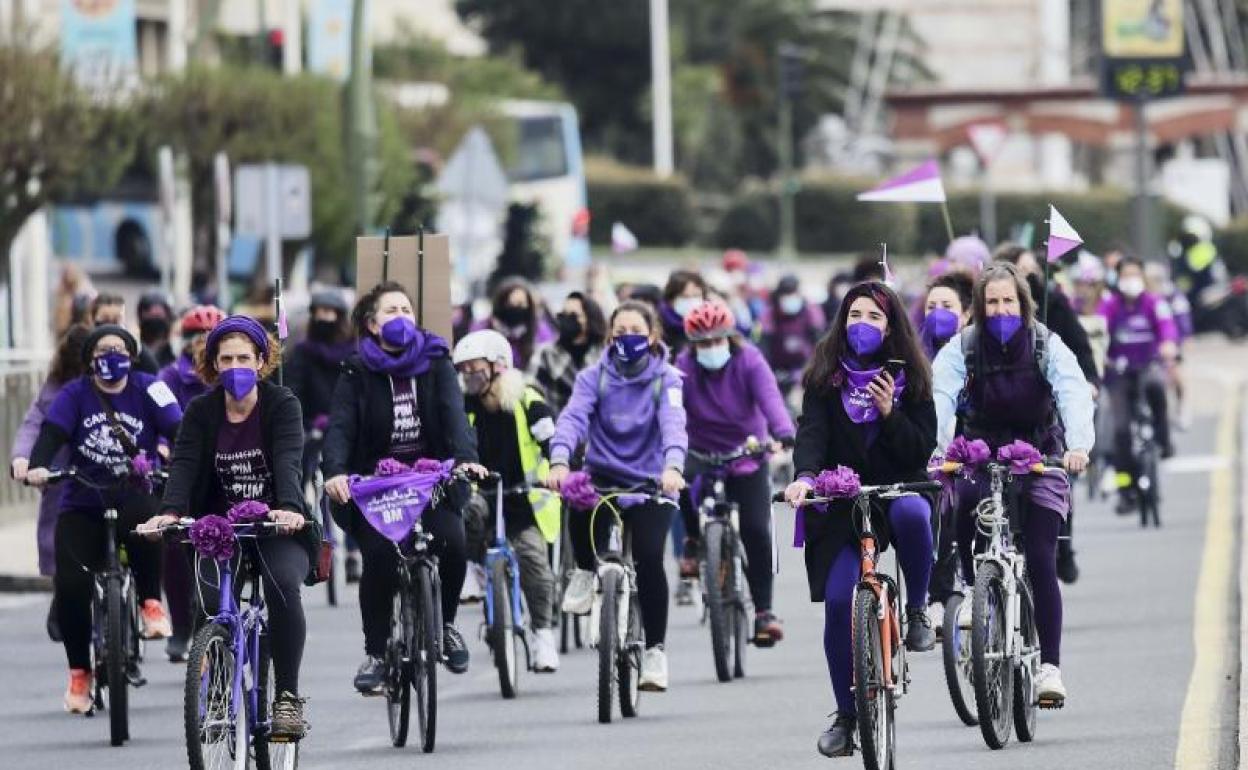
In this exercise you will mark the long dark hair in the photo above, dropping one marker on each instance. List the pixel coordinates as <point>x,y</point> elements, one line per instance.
<point>67,363</point>
<point>595,320</point>
<point>366,307</point>
<point>524,345</point>
<point>824,375</point>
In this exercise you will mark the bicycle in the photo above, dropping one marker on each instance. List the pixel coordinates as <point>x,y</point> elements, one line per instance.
<point>116,633</point>
<point>1145,482</point>
<point>881,672</point>
<point>722,559</point>
<point>314,494</point>
<point>229,686</point>
<point>570,626</point>
<point>1005,645</point>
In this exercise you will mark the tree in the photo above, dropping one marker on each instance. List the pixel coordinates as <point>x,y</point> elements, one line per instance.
<point>55,142</point>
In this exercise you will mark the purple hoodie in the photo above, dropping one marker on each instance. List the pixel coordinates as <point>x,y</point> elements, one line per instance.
<point>1137,329</point>
<point>181,378</point>
<point>632,435</point>
<point>728,406</point>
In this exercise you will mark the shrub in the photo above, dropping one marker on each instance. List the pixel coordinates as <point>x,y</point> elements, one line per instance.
<point>658,211</point>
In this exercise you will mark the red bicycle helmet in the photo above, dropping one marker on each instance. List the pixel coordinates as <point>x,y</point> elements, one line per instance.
<point>710,321</point>
<point>201,318</point>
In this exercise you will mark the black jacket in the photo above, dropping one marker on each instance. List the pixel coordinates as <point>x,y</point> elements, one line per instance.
<point>192,466</point>
<point>361,420</point>
<point>826,438</point>
<point>1062,320</point>
<point>312,378</point>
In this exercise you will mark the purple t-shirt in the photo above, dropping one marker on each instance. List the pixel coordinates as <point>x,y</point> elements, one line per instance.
<point>146,410</point>
<point>243,473</point>
<point>405,436</point>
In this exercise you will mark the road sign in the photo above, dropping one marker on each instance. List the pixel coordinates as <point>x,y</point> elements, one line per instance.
<point>1142,49</point>
<point>293,200</point>
<point>987,138</point>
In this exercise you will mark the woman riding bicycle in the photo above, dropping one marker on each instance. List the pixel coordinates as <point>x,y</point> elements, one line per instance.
<point>791,328</point>
<point>864,411</point>
<point>1023,384</point>
<point>241,441</point>
<point>731,395</point>
<point>398,397</point>
<point>629,408</point>
<point>108,418</point>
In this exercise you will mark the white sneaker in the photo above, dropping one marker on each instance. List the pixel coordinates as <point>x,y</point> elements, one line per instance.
<point>1050,691</point>
<point>578,597</point>
<point>964,612</point>
<point>545,653</point>
<point>654,670</point>
<point>474,584</point>
<point>936,616</point>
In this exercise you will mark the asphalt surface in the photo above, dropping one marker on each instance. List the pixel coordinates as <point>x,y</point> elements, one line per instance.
<point>1127,658</point>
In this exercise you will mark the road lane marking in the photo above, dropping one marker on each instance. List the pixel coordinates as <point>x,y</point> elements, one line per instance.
<point>1196,463</point>
<point>1199,728</point>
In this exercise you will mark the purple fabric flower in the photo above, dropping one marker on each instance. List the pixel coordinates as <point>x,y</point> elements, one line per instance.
<point>248,512</point>
<point>838,482</point>
<point>388,466</point>
<point>1021,456</point>
<point>213,537</point>
<point>579,492</point>
<point>968,452</point>
<point>321,423</point>
<point>427,465</point>
<point>141,465</point>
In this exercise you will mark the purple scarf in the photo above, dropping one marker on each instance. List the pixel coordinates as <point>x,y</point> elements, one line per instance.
<point>329,353</point>
<point>855,397</point>
<point>186,371</point>
<point>412,361</point>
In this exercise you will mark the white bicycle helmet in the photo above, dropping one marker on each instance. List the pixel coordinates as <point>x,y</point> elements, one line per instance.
<point>486,344</point>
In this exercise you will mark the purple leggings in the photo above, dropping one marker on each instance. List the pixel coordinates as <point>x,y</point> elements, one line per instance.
<point>910,518</point>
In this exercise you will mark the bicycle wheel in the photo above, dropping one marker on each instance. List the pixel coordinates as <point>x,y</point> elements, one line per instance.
<point>608,643</point>
<point>427,635</point>
<point>504,642</point>
<point>1025,701</point>
<point>270,754</point>
<point>628,668</point>
<point>956,648</point>
<point>742,623</point>
<point>872,695</point>
<point>399,664</point>
<point>209,712</point>
<point>331,583</point>
<point>1147,488</point>
<point>717,576</point>
<point>992,672</point>
<point>115,655</point>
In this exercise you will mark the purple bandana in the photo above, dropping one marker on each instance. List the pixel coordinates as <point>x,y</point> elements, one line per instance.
<point>855,397</point>
<point>412,361</point>
<point>238,324</point>
<point>393,504</point>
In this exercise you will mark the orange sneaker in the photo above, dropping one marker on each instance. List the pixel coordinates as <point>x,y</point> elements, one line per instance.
<point>78,699</point>
<point>156,623</point>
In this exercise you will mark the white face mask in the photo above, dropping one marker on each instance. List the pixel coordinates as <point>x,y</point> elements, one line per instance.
<point>791,304</point>
<point>1131,287</point>
<point>714,358</point>
<point>684,305</point>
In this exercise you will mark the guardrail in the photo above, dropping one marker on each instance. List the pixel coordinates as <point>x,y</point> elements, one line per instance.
<point>19,383</point>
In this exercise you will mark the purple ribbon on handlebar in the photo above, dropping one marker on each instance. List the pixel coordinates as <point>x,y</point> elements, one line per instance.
<point>393,504</point>
<point>579,493</point>
<point>1021,456</point>
<point>839,482</point>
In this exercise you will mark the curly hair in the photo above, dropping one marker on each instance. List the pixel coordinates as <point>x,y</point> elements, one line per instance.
<point>67,363</point>
<point>366,307</point>
<point>207,370</point>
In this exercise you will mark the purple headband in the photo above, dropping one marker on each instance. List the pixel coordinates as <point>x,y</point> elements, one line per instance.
<point>239,324</point>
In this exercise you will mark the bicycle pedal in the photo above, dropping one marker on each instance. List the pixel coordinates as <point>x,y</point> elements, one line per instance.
<point>1051,704</point>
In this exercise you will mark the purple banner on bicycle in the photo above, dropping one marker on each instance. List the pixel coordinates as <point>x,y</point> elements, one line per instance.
<point>393,504</point>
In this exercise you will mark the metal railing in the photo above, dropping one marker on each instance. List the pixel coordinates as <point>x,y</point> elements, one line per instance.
<point>19,384</point>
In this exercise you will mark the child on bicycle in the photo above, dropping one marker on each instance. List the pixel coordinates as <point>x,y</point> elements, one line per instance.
<point>629,407</point>
<point>1006,378</point>
<point>242,441</point>
<point>108,418</point>
<point>731,395</point>
<point>862,411</point>
<point>514,427</point>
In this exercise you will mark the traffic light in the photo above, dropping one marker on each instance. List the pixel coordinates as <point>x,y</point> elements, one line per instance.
<point>791,63</point>
<point>274,41</point>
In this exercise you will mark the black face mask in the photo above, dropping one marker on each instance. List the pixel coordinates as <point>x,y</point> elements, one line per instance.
<point>322,331</point>
<point>511,315</point>
<point>154,329</point>
<point>570,327</point>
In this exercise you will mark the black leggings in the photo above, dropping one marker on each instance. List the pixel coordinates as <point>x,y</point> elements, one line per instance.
<point>80,552</point>
<point>379,576</point>
<point>282,564</point>
<point>752,494</point>
<point>649,524</point>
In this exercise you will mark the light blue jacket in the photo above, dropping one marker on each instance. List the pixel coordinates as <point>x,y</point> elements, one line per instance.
<point>1070,388</point>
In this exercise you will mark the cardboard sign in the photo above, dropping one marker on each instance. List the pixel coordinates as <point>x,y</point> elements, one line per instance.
<point>435,314</point>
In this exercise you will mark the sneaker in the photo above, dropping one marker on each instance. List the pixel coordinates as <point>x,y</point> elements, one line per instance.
<point>1067,569</point>
<point>689,560</point>
<point>767,629</point>
<point>578,596</point>
<point>156,624</point>
<point>474,584</point>
<point>964,613</point>
<point>653,670</point>
<point>78,699</point>
<point>454,649</point>
<point>175,648</point>
<point>684,592</point>
<point>936,617</point>
<point>545,653</point>
<point>1050,691</point>
<point>370,678</point>
<point>53,626</point>
<point>352,567</point>
<point>919,634</point>
<point>838,739</point>
<point>286,718</point>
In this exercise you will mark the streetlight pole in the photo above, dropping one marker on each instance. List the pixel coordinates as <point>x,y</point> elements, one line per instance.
<point>661,88</point>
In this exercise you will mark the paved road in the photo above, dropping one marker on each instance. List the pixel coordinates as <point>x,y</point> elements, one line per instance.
<point>1127,658</point>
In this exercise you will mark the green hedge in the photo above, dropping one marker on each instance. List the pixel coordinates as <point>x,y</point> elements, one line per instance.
<point>658,211</point>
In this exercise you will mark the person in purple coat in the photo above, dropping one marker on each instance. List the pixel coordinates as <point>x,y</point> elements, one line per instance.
<point>731,396</point>
<point>791,327</point>
<point>1143,338</point>
<point>629,409</point>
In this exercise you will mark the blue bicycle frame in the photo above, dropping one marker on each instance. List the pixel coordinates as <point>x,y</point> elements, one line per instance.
<point>501,551</point>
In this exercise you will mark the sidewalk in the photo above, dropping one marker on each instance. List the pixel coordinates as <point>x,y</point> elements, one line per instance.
<point>19,562</point>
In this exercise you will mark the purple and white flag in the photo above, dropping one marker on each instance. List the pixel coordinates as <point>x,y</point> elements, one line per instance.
<point>921,185</point>
<point>1062,237</point>
<point>393,504</point>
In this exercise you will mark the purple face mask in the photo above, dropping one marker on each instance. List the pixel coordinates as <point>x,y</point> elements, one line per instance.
<point>941,324</point>
<point>238,382</point>
<point>864,338</point>
<point>398,332</point>
<point>1004,327</point>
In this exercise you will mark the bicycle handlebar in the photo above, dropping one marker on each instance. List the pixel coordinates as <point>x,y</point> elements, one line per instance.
<point>754,451</point>
<point>950,467</point>
<point>58,475</point>
<point>876,490</point>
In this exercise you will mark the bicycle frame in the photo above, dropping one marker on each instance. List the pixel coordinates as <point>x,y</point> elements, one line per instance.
<point>502,551</point>
<point>882,585</point>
